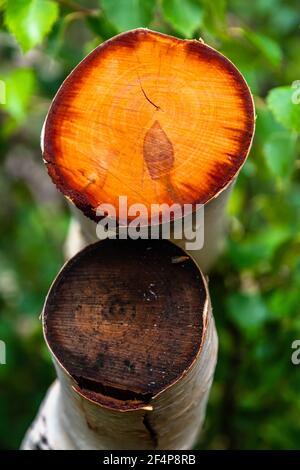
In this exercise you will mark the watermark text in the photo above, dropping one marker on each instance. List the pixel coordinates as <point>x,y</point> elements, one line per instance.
<point>2,92</point>
<point>178,222</point>
<point>2,352</point>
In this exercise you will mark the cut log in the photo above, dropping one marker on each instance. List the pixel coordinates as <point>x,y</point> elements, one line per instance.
<point>154,118</point>
<point>130,329</point>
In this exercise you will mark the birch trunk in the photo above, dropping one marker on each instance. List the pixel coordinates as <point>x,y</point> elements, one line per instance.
<point>178,341</point>
<point>211,229</point>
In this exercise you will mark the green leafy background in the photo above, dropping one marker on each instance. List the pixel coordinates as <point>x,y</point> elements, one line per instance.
<point>255,400</point>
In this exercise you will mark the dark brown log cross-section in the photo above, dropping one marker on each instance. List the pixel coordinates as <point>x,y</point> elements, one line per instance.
<point>130,328</point>
<point>125,320</point>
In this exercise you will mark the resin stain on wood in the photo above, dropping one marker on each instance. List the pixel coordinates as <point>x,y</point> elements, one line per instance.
<point>158,151</point>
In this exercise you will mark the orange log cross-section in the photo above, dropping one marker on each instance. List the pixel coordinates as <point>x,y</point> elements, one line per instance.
<point>152,117</point>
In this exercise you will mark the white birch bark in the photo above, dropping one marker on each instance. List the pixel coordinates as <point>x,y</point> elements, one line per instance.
<point>172,420</point>
<point>82,232</point>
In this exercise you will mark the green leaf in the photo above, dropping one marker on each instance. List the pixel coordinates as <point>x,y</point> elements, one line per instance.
<point>30,20</point>
<point>269,49</point>
<point>214,20</point>
<point>284,104</point>
<point>128,14</point>
<point>266,124</point>
<point>56,37</point>
<point>280,152</point>
<point>284,302</point>
<point>101,26</point>
<point>19,88</point>
<point>259,248</point>
<point>284,19</point>
<point>248,311</point>
<point>185,16</point>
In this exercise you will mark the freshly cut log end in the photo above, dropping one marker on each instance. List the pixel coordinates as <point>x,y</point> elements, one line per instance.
<point>152,117</point>
<point>126,320</point>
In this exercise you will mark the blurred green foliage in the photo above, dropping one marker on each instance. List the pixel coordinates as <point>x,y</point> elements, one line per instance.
<point>255,286</point>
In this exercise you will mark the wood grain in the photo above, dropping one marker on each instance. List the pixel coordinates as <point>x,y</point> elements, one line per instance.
<point>144,112</point>
<point>125,319</point>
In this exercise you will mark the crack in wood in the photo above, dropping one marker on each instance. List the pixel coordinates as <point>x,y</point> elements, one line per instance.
<point>152,433</point>
<point>147,98</point>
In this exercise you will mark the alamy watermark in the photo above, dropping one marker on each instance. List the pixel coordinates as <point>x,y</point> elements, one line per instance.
<point>177,222</point>
<point>2,92</point>
<point>296,93</point>
<point>2,353</point>
<point>295,358</point>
